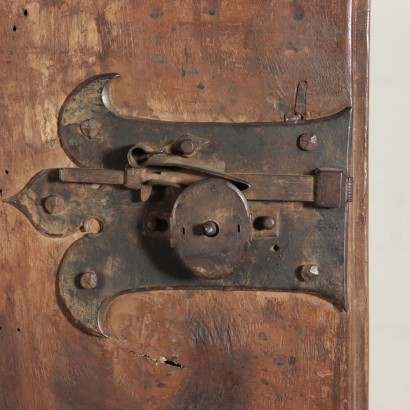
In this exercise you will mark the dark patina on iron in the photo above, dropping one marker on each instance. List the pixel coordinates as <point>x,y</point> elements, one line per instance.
<point>192,205</point>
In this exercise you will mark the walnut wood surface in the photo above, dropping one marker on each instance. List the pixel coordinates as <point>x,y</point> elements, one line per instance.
<point>183,60</point>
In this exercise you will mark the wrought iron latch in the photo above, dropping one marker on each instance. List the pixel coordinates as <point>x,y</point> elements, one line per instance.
<point>192,205</point>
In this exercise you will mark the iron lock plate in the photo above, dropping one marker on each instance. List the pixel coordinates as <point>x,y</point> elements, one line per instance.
<point>259,206</point>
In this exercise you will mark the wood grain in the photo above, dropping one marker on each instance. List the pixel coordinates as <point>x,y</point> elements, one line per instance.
<point>228,361</point>
<point>358,289</point>
<point>184,60</point>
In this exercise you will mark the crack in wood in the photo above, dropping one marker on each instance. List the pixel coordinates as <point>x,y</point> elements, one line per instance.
<point>156,362</point>
<point>160,360</point>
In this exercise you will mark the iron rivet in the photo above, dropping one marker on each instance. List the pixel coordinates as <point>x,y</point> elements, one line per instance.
<point>268,223</point>
<point>93,225</point>
<point>309,273</point>
<point>210,229</point>
<point>54,204</point>
<point>90,128</point>
<point>307,141</point>
<point>184,147</point>
<point>88,280</point>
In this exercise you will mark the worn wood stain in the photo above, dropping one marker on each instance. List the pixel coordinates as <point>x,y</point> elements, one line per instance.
<point>187,60</point>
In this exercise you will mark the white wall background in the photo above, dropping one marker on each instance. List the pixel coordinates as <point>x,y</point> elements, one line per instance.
<point>390,205</point>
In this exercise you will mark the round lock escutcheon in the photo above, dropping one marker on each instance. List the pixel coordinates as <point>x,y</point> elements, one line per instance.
<point>210,228</point>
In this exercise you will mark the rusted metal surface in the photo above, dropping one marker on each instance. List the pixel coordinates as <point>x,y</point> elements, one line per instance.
<point>301,96</point>
<point>126,260</point>
<point>259,350</point>
<point>213,236</point>
<point>292,188</point>
<point>267,223</point>
<point>268,148</point>
<point>330,188</point>
<point>326,188</point>
<point>88,280</point>
<point>309,272</point>
<point>308,141</point>
<point>184,147</point>
<point>200,198</point>
<point>265,219</point>
<point>54,204</point>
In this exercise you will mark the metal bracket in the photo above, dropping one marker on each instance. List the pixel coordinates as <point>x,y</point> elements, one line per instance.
<point>192,205</point>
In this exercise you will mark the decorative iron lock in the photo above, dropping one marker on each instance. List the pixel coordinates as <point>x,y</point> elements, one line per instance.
<point>192,205</point>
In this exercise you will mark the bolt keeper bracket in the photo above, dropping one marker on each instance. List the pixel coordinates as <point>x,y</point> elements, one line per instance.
<point>179,205</point>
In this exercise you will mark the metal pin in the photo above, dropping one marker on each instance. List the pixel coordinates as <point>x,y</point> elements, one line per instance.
<point>268,223</point>
<point>184,147</point>
<point>210,229</point>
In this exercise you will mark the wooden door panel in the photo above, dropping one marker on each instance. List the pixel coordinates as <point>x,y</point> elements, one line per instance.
<point>206,353</point>
<point>180,61</point>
